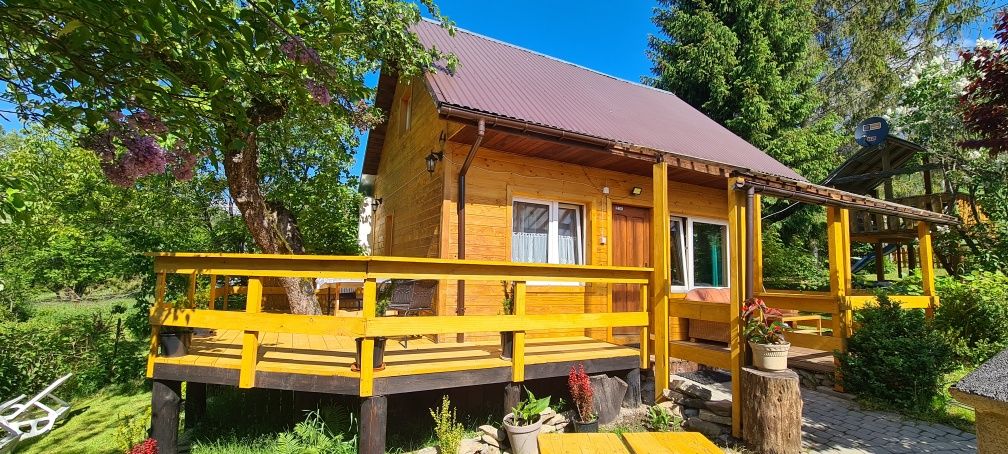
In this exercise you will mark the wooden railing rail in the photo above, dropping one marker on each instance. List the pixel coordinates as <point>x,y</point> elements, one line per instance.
<point>252,322</point>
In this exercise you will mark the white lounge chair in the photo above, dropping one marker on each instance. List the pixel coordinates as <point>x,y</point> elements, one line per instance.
<point>34,417</point>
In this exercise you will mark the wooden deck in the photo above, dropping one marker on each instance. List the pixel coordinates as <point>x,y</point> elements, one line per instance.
<point>321,363</point>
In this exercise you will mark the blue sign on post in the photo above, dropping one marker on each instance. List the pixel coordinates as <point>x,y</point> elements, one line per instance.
<point>871,132</point>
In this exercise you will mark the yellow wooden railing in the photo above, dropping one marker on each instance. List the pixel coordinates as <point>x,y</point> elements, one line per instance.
<point>252,322</point>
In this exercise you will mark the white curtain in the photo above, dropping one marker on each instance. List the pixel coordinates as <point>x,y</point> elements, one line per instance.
<point>529,247</point>
<point>568,250</point>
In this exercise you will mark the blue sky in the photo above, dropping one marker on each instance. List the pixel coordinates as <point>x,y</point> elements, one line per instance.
<point>598,34</point>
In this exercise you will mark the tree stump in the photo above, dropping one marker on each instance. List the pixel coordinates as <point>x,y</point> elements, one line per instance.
<point>609,394</point>
<point>771,411</point>
<point>632,399</point>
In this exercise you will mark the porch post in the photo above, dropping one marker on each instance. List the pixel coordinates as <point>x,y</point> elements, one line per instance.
<point>736,273</point>
<point>927,265</point>
<point>838,239</point>
<point>660,285</point>
<point>757,244</point>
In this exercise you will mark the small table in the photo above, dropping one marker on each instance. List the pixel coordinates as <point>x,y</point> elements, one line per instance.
<point>670,442</point>
<point>600,443</point>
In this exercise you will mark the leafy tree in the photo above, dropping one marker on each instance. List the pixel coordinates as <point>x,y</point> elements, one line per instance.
<point>985,100</point>
<point>154,87</point>
<point>870,45</point>
<point>751,66</point>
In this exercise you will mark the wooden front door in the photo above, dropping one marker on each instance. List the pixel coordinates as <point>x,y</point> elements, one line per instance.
<point>631,246</point>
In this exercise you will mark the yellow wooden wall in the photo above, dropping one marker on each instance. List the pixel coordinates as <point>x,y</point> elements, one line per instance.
<point>422,207</point>
<point>410,195</point>
<point>495,178</point>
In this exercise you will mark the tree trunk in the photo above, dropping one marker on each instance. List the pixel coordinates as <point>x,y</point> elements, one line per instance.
<point>771,411</point>
<point>272,227</point>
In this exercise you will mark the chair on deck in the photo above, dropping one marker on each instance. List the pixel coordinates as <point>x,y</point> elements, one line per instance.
<point>411,298</point>
<point>23,420</point>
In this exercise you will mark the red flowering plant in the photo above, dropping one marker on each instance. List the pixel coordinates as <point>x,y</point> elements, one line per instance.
<point>148,446</point>
<point>581,393</point>
<point>762,324</point>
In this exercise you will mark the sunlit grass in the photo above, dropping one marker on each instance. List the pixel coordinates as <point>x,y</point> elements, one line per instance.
<point>91,425</point>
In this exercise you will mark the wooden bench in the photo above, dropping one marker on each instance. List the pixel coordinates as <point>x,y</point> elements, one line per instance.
<point>638,443</point>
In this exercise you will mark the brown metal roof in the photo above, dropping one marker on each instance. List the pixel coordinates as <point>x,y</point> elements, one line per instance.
<point>503,80</point>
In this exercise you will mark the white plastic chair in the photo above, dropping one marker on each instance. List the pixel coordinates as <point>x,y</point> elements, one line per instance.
<point>34,417</point>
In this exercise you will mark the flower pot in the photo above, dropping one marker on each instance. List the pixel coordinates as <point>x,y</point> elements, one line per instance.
<point>523,439</point>
<point>507,344</point>
<point>586,427</point>
<point>378,357</point>
<point>174,345</point>
<point>770,357</point>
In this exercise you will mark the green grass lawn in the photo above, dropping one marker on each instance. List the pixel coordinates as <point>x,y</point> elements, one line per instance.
<point>92,426</point>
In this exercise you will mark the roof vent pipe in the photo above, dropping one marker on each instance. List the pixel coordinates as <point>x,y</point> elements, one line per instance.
<point>461,204</point>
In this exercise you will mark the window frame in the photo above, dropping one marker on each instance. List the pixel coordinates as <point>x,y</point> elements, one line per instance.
<point>552,229</point>
<point>688,248</point>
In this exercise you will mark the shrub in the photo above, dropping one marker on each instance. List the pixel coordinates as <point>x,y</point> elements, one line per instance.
<point>581,393</point>
<point>791,267</point>
<point>447,429</point>
<point>973,311</point>
<point>896,358</point>
<point>50,345</point>
<point>313,435</point>
<point>148,446</point>
<point>14,293</point>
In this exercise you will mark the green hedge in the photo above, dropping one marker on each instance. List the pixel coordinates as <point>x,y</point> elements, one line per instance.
<point>51,344</point>
<point>973,311</point>
<point>896,357</point>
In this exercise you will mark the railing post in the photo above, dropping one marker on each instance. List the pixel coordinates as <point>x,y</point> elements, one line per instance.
<point>227,292</point>
<point>659,283</point>
<point>366,364</point>
<point>736,273</point>
<point>250,340</point>
<point>518,352</point>
<point>213,292</point>
<point>927,266</point>
<point>159,296</point>
<point>645,338</point>
<point>191,292</point>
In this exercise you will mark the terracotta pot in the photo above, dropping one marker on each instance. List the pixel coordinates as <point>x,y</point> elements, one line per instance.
<point>523,439</point>
<point>770,357</point>
<point>507,344</point>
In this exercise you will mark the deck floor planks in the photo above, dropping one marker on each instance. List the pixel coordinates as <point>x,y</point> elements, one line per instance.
<point>670,442</point>
<point>332,355</point>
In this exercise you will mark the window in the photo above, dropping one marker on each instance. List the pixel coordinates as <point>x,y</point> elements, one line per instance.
<point>699,254</point>
<point>547,232</point>
<point>709,256</point>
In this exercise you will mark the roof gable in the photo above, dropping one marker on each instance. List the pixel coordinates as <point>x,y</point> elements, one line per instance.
<point>504,80</point>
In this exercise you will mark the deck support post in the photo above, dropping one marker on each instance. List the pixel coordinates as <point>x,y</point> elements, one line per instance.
<point>838,240</point>
<point>373,418</point>
<point>512,395</point>
<point>647,387</point>
<point>660,285</point>
<point>166,400</point>
<point>195,403</point>
<point>737,242</point>
<point>633,397</point>
<point>927,266</point>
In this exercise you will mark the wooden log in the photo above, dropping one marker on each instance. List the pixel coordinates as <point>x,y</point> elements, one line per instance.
<point>373,417</point>
<point>633,394</point>
<point>609,395</point>
<point>512,395</point>
<point>166,400</point>
<point>195,403</point>
<point>771,411</point>
<point>648,387</point>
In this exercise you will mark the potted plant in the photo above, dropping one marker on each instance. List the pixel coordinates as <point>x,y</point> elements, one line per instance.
<point>765,333</point>
<point>584,400</point>
<point>175,340</point>
<point>507,308</point>
<point>378,356</point>
<point>523,423</point>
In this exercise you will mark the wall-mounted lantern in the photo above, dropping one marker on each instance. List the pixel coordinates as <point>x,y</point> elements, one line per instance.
<point>435,156</point>
<point>375,203</point>
<point>636,190</point>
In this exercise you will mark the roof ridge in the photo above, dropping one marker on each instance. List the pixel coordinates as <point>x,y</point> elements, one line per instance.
<point>550,57</point>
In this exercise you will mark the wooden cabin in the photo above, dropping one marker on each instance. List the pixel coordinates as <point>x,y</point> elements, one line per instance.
<point>622,215</point>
